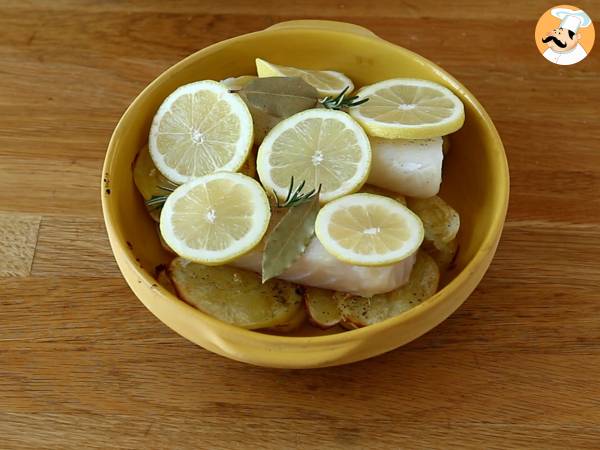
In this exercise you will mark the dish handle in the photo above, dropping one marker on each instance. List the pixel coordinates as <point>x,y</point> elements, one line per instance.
<point>330,25</point>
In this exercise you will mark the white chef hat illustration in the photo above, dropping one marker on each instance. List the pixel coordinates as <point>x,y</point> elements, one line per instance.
<point>571,19</point>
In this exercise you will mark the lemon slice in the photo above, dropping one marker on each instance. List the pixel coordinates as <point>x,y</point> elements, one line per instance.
<point>368,230</point>
<point>318,146</point>
<point>199,129</point>
<point>215,218</point>
<point>326,82</point>
<point>404,108</point>
<point>237,83</point>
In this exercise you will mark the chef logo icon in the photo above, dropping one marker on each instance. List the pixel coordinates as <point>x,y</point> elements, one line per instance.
<point>564,35</point>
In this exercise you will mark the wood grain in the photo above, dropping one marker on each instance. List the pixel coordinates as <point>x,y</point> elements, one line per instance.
<point>84,365</point>
<point>18,237</point>
<point>72,247</point>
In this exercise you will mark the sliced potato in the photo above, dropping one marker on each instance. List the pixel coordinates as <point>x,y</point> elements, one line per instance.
<point>235,296</point>
<point>164,280</point>
<point>322,307</point>
<point>359,312</point>
<point>362,311</point>
<point>440,220</point>
<point>149,181</point>
<point>370,189</point>
<point>444,255</point>
<point>295,322</point>
<point>349,325</point>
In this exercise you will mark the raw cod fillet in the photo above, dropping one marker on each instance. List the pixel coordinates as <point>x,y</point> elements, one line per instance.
<point>318,268</point>
<point>412,167</point>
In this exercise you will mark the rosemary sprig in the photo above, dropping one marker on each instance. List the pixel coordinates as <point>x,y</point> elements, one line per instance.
<point>157,201</point>
<point>341,101</point>
<point>296,197</point>
<point>166,188</point>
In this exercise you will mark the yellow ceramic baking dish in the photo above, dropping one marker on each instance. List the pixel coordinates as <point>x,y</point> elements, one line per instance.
<point>476,183</point>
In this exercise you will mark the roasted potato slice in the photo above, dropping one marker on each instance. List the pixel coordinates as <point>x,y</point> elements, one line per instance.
<point>149,181</point>
<point>295,322</point>
<point>322,307</point>
<point>441,223</point>
<point>235,296</point>
<point>362,311</point>
<point>440,220</point>
<point>349,325</point>
<point>164,280</point>
<point>370,189</point>
<point>444,255</point>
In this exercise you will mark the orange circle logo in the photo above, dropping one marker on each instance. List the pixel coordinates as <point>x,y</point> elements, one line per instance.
<point>565,35</point>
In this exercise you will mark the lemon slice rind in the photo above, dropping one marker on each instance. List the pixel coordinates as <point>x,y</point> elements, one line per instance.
<point>171,231</point>
<point>352,183</point>
<point>199,135</point>
<point>450,117</point>
<point>404,218</point>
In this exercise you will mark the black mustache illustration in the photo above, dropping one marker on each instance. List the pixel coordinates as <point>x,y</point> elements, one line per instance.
<point>556,41</point>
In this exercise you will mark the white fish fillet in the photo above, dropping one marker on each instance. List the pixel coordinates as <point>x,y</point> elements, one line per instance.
<point>412,167</point>
<point>318,268</point>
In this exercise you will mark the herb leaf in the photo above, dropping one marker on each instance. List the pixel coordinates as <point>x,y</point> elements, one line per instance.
<point>290,237</point>
<point>156,201</point>
<point>341,101</point>
<point>295,197</point>
<point>279,96</point>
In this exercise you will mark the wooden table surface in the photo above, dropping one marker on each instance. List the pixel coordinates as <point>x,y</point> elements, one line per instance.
<point>84,365</point>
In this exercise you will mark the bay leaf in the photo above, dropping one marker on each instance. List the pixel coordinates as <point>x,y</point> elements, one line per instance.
<point>289,239</point>
<point>263,123</point>
<point>280,96</point>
